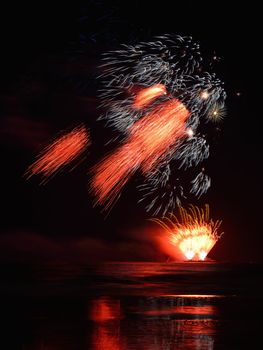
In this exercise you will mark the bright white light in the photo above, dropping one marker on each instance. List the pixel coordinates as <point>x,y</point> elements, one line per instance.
<point>202,255</point>
<point>204,95</point>
<point>190,132</point>
<point>189,254</point>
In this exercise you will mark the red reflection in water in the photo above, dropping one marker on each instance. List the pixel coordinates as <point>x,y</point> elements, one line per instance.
<point>166,323</point>
<point>104,338</point>
<point>106,313</point>
<point>173,325</point>
<point>105,309</point>
<point>188,310</point>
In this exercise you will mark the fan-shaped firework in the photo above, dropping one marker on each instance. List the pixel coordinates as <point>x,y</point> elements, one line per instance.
<point>138,84</point>
<point>193,233</point>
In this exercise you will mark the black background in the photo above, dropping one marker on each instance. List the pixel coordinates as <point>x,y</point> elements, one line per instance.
<point>49,56</point>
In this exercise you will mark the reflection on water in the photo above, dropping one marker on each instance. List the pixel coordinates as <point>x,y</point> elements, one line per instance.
<point>105,309</point>
<point>163,323</point>
<point>106,314</point>
<point>136,307</point>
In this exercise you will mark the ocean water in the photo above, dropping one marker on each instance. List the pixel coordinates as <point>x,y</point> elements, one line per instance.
<point>132,306</point>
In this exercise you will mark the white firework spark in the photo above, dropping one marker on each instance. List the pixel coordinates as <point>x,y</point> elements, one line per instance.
<point>200,184</point>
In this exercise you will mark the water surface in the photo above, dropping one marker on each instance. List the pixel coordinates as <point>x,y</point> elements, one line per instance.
<point>133,306</point>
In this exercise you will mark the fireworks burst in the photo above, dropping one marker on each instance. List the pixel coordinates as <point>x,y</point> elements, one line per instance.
<point>141,85</point>
<point>217,113</point>
<point>193,233</point>
<point>147,144</point>
<point>157,95</point>
<point>59,153</point>
<point>159,184</point>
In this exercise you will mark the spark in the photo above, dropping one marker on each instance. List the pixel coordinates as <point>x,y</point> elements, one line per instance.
<point>193,233</point>
<point>216,113</point>
<point>190,132</point>
<point>160,193</point>
<point>200,184</point>
<point>204,95</point>
<point>59,153</point>
<point>192,152</point>
<point>162,190</point>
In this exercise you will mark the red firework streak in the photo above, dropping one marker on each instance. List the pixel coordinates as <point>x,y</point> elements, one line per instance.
<point>148,95</point>
<point>60,152</point>
<point>149,140</point>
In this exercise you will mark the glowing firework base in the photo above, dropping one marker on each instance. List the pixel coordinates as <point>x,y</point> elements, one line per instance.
<point>194,242</point>
<point>195,235</point>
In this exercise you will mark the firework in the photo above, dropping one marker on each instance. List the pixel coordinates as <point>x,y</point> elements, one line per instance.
<point>141,85</point>
<point>59,153</point>
<point>192,152</point>
<point>148,95</point>
<point>160,193</point>
<point>106,314</point>
<point>200,184</point>
<point>156,96</point>
<point>162,62</point>
<point>193,233</point>
<point>147,144</point>
<point>216,113</point>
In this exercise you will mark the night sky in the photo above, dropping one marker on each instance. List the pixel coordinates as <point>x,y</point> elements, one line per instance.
<point>49,64</point>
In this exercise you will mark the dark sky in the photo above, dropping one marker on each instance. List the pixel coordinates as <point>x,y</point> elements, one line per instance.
<point>49,57</point>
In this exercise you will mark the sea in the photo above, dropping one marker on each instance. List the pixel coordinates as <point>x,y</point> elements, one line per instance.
<point>132,306</point>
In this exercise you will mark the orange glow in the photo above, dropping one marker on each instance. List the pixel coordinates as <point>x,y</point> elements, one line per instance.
<point>194,242</point>
<point>191,310</point>
<point>149,140</point>
<point>105,309</point>
<point>60,152</point>
<point>195,235</point>
<point>104,339</point>
<point>148,95</point>
<point>106,313</point>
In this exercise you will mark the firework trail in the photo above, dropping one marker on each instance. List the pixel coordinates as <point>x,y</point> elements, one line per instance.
<point>148,95</point>
<point>192,152</point>
<point>158,96</point>
<point>160,185</point>
<point>161,192</point>
<point>138,84</point>
<point>161,62</point>
<point>200,184</point>
<point>59,153</point>
<point>193,233</point>
<point>147,144</point>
